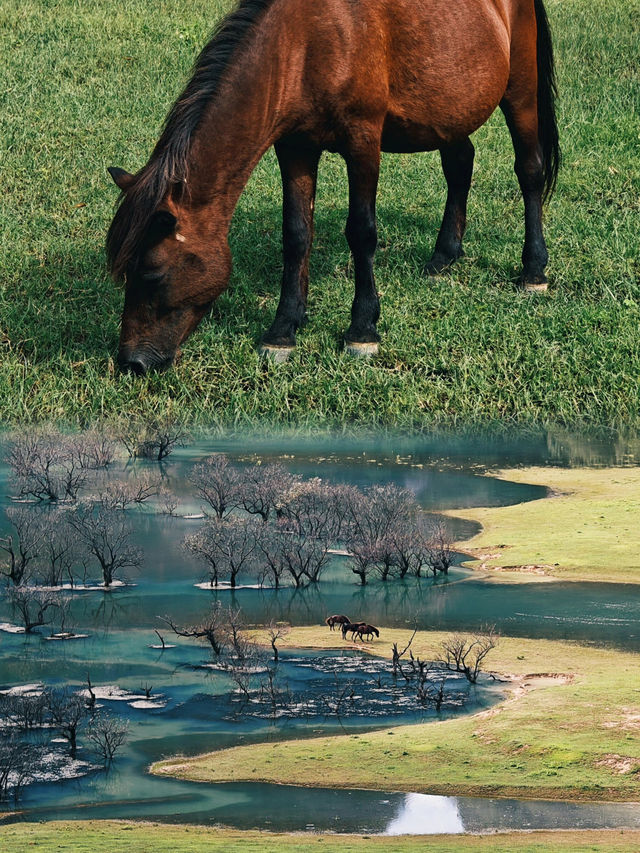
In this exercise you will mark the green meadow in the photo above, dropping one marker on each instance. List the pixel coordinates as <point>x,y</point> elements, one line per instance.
<point>110,836</point>
<point>87,84</point>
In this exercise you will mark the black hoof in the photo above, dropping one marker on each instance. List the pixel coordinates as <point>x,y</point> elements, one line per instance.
<point>439,263</point>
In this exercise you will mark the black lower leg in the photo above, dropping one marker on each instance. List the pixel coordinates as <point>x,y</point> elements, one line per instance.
<point>534,254</point>
<point>523,126</point>
<point>299,171</point>
<point>457,165</point>
<point>361,233</point>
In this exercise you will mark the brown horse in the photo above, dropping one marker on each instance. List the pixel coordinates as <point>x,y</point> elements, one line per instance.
<point>349,76</point>
<point>332,621</point>
<point>366,631</point>
<point>350,628</point>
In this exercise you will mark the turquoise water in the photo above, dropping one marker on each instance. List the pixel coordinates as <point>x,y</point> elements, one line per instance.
<point>198,715</point>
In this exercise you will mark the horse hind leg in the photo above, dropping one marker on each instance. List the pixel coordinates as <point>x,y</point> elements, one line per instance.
<point>457,166</point>
<point>363,166</point>
<point>299,169</point>
<point>522,121</point>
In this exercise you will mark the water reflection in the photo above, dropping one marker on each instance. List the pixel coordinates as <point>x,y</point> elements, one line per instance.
<point>422,814</point>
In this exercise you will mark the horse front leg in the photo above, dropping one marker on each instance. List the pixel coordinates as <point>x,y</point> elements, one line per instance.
<point>523,126</point>
<point>363,167</point>
<point>457,165</point>
<point>299,170</point>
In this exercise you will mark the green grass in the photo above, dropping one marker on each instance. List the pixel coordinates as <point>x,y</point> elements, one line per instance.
<point>585,531</point>
<point>109,836</point>
<point>568,738</point>
<point>87,85</point>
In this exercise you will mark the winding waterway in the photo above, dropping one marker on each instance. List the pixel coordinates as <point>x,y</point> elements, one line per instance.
<point>192,713</point>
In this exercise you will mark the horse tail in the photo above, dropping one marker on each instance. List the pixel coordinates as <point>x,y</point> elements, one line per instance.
<point>547,94</point>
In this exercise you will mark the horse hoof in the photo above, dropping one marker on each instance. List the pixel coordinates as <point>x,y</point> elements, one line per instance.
<point>534,286</point>
<point>276,354</point>
<point>361,350</point>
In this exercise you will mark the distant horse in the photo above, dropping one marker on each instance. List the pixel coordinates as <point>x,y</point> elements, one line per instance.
<point>350,628</point>
<point>366,631</point>
<point>332,621</point>
<point>349,76</point>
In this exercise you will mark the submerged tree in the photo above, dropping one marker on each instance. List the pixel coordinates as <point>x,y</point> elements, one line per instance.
<point>22,547</point>
<point>107,735</point>
<point>68,711</point>
<point>440,553</point>
<point>228,547</point>
<point>218,483</point>
<point>47,466</point>
<point>33,605</point>
<point>212,628</point>
<point>107,537</point>
<point>265,488</point>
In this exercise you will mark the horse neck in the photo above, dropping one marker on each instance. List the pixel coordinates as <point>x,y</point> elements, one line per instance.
<point>244,119</point>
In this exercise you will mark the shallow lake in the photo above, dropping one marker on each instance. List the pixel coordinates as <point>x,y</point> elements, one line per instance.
<point>193,712</point>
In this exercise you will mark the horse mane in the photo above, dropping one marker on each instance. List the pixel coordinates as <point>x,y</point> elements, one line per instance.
<point>167,166</point>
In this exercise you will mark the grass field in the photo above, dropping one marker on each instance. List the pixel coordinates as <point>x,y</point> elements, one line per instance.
<point>587,530</point>
<point>113,837</point>
<point>86,85</point>
<point>569,737</point>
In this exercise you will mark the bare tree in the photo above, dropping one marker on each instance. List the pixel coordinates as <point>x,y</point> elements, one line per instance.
<point>440,553</point>
<point>237,640</point>
<point>59,549</point>
<point>312,509</point>
<point>46,466</point>
<point>218,483</point>
<point>302,557</point>
<point>465,653</point>
<point>375,512</point>
<point>363,559</point>
<point>17,762</point>
<point>265,488</point>
<point>24,711</point>
<point>32,604</point>
<point>411,545</point>
<point>22,547</point>
<point>277,631</point>
<point>152,441</point>
<point>68,711</point>
<point>107,537</point>
<point>227,546</point>
<point>121,494</point>
<point>107,735</point>
<point>212,628</point>
<point>276,697</point>
<point>95,449</point>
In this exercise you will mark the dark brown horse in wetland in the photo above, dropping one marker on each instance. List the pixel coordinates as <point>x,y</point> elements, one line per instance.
<point>349,76</point>
<point>338,619</point>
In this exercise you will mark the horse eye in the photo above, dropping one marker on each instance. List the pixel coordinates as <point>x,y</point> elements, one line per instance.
<point>153,276</point>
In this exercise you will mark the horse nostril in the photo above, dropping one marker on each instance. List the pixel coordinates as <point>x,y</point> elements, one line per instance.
<point>134,365</point>
<point>137,366</point>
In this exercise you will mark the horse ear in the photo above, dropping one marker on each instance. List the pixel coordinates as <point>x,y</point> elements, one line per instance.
<point>122,179</point>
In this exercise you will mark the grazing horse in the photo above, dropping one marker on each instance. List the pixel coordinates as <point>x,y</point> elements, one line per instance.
<point>332,621</point>
<point>350,628</point>
<point>366,631</point>
<point>355,77</point>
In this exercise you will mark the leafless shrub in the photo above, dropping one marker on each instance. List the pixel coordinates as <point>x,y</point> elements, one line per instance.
<point>24,711</point>
<point>465,653</point>
<point>95,450</point>
<point>59,550</point>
